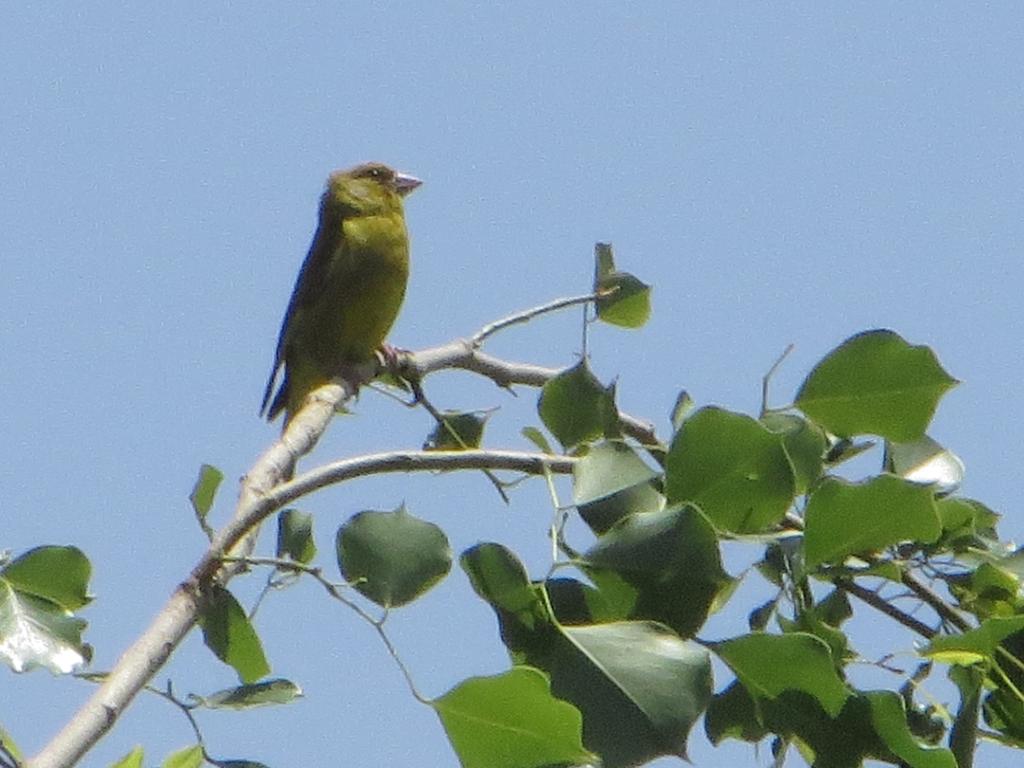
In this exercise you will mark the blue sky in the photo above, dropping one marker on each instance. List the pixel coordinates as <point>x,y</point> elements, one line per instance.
<point>788,173</point>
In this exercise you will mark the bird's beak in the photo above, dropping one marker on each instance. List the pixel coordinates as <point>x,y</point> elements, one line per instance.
<point>404,183</point>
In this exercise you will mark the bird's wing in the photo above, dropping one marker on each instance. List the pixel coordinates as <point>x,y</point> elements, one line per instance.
<point>307,285</point>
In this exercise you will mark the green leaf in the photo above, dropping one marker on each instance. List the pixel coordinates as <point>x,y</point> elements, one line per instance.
<point>925,461</point>
<point>623,300</point>
<point>963,735</point>
<point>204,492</point>
<point>640,688</point>
<point>229,634</point>
<point>392,557</point>
<point>577,408</point>
<point>681,409</point>
<point>849,518</point>
<point>9,745</point>
<point>804,443</point>
<point>733,714</point>
<point>458,431</point>
<point>768,665</point>
<point>611,482</point>
<point>265,693</point>
<point>671,558</point>
<point>875,383</point>
<point>536,437</point>
<point>574,602</point>
<point>733,468</point>
<point>604,261</point>
<point>958,516</point>
<point>132,760</point>
<point>34,631</point>
<point>987,591</point>
<point>511,721</point>
<point>826,741</point>
<point>1004,712</point>
<point>808,621</point>
<point>190,757</point>
<point>499,578</point>
<point>295,536</point>
<point>889,718</point>
<point>975,646</point>
<point>59,575</point>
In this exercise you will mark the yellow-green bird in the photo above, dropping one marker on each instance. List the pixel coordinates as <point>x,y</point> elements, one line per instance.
<point>350,287</point>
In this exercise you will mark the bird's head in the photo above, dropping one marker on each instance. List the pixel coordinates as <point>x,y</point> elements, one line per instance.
<point>368,189</point>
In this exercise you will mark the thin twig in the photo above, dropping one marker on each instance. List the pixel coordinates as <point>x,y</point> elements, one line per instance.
<point>186,709</point>
<point>768,377</point>
<point>557,518</point>
<point>936,603</point>
<point>334,590</point>
<point>585,333</point>
<point>528,314</point>
<point>879,603</point>
<point>258,500</point>
<point>506,373</point>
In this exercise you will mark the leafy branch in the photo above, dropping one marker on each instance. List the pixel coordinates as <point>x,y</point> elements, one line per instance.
<point>266,489</point>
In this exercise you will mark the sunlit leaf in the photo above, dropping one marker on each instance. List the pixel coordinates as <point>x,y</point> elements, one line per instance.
<point>37,629</point>
<point>976,645</point>
<point>57,574</point>
<point>925,461</point>
<point>733,468</point>
<point>875,383</point>
<point>511,721</point>
<point>132,760</point>
<point>623,299</point>
<point>204,492</point>
<point>768,665</point>
<point>848,518</point>
<point>190,757</point>
<point>576,407</point>
<point>10,746</point>
<point>232,638</point>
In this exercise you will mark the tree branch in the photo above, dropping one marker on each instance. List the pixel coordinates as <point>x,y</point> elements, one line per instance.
<point>462,355</point>
<point>267,487</point>
<point>521,317</point>
<point>935,602</point>
<point>879,603</point>
<point>262,493</point>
